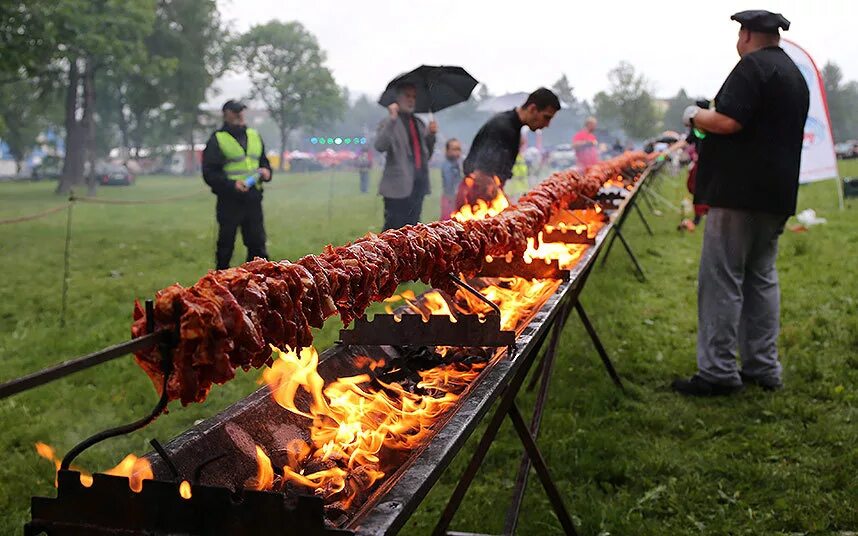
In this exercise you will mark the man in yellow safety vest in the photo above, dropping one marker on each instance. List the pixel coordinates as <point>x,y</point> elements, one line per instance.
<point>234,167</point>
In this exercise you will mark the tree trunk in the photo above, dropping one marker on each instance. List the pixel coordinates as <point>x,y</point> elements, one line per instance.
<point>191,160</point>
<point>88,123</point>
<point>123,126</point>
<point>284,135</point>
<point>74,158</point>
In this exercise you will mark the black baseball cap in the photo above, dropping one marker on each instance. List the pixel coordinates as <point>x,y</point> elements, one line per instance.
<point>233,106</point>
<point>760,20</point>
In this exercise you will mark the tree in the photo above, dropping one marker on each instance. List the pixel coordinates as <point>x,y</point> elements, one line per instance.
<point>675,108</point>
<point>628,102</point>
<point>76,39</point>
<point>842,102</point>
<point>191,34</point>
<point>565,92</point>
<point>27,110</point>
<point>288,75</point>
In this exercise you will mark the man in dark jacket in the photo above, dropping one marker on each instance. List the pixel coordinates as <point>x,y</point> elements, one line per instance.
<point>748,174</point>
<point>408,145</point>
<point>497,144</point>
<point>235,166</point>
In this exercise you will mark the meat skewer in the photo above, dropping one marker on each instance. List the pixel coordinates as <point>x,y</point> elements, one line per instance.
<point>229,318</point>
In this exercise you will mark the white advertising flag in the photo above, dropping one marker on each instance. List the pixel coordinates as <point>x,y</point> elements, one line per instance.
<point>818,160</point>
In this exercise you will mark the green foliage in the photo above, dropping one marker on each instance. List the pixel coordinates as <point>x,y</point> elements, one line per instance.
<point>842,102</point>
<point>27,110</point>
<point>628,103</point>
<point>673,114</point>
<point>286,67</point>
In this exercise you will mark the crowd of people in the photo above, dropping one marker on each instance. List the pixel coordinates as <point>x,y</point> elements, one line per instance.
<point>746,149</point>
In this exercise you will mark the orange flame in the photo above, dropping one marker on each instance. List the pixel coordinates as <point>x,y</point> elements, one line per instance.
<point>482,209</point>
<point>136,469</point>
<point>565,254</point>
<point>185,489</point>
<point>433,301</point>
<point>516,298</point>
<point>353,421</point>
<point>264,472</point>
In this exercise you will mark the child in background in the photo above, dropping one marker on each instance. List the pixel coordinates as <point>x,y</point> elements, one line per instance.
<point>451,176</point>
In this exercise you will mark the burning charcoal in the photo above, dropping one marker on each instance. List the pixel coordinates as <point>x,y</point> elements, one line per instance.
<point>315,465</point>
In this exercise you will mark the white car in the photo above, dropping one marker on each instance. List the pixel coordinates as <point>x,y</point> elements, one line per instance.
<point>562,157</point>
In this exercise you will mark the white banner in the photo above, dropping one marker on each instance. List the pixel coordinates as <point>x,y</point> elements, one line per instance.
<point>818,160</point>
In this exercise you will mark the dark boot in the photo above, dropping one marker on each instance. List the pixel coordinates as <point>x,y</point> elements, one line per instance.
<point>697,386</point>
<point>767,384</point>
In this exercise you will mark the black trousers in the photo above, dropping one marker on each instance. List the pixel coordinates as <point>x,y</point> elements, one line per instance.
<point>401,212</point>
<point>245,212</point>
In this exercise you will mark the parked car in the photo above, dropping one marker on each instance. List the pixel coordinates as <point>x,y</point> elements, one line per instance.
<point>562,157</point>
<point>847,149</point>
<point>51,167</point>
<point>108,174</point>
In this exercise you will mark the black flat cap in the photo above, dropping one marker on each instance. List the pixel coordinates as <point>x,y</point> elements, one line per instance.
<point>233,106</point>
<point>760,20</point>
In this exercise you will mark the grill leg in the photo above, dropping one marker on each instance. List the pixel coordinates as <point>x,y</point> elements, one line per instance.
<point>546,368</point>
<point>646,223</point>
<point>639,273</point>
<point>542,471</point>
<point>609,366</point>
<point>610,245</point>
<point>506,401</point>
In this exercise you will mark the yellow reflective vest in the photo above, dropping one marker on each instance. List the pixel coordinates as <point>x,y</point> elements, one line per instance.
<point>240,164</point>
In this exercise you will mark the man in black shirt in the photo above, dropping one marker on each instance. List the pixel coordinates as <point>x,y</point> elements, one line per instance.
<point>497,143</point>
<point>748,174</point>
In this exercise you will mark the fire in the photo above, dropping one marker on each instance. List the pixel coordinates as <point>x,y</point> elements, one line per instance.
<point>185,489</point>
<point>136,469</point>
<point>264,471</point>
<point>353,419</point>
<point>482,209</point>
<point>516,297</point>
<point>565,254</point>
<point>433,301</point>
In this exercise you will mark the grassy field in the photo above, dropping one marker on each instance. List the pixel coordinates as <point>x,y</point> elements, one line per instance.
<point>647,462</point>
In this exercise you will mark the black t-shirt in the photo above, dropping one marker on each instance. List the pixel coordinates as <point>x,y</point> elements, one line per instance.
<point>757,168</point>
<point>495,146</point>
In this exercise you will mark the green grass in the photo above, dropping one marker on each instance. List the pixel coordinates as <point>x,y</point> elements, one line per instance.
<point>647,462</point>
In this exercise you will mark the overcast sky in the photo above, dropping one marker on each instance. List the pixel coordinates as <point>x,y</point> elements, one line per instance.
<point>519,46</point>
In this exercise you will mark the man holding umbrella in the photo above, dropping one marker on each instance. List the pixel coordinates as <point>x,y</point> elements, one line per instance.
<point>407,142</point>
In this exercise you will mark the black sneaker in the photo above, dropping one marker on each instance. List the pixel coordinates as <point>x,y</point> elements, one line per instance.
<point>767,384</point>
<point>697,386</point>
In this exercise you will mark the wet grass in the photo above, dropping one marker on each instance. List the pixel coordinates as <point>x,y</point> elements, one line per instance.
<point>643,462</point>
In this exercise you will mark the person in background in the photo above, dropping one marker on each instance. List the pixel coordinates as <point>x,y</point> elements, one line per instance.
<point>496,146</point>
<point>451,176</point>
<point>234,167</point>
<point>408,144</point>
<point>586,145</point>
<point>747,172</point>
<point>364,165</point>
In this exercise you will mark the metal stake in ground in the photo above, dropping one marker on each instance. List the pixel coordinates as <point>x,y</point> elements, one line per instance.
<point>66,255</point>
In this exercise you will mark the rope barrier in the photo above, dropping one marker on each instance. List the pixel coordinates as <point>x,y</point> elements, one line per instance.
<point>35,216</point>
<point>100,201</point>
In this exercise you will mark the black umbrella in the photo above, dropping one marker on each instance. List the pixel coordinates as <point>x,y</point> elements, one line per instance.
<point>438,87</point>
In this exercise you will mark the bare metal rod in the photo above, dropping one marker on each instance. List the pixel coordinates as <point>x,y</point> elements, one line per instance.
<point>71,366</point>
<point>475,292</point>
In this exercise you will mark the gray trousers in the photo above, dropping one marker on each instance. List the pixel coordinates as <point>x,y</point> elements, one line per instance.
<point>738,297</point>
